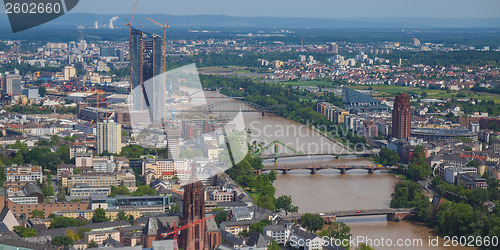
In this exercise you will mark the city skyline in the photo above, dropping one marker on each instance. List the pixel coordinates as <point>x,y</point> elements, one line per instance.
<point>281,8</point>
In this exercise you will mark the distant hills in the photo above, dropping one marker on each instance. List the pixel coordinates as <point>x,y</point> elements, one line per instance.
<point>71,20</point>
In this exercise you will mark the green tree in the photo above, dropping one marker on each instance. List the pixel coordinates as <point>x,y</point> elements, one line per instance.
<point>473,163</point>
<point>25,232</point>
<point>144,190</point>
<point>267,190</point>
<point>285,202</point>
<point>478,197</point>
<point>120,190</point>
<point>363,246</point>
<point>257,227</point>
<point>312,222</point>
<point>272,176</point>
<point>54,139</point>
<point>81,232</point>
<point>338,230</point>
<point>92,244</point>
<point>388,157</point>
<point>134,151</point>
<point>454,220</point>
<point>63,153</point>
<point>42,91</point>
<point>418,172</point>
<point>266,202</point>
<point>19,145</point>
<point>37,214</point>
<point>99,215</point>
<point>121,216</point>
<point>273,246</point>
<point>19,158</point>
<point>220,217</point>
<point>130,219</point>
<point>62,241</point>
<point>59,222</point>
<point>174,208</point>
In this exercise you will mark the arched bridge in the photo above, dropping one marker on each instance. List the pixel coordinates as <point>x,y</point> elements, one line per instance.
<point>339,156</point>
<point>236,106</point>
<point>258,150</point>
<point>314,169</point>
<point>393,214</point>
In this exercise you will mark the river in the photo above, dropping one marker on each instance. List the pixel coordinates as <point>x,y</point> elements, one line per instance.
<point>329,190</point>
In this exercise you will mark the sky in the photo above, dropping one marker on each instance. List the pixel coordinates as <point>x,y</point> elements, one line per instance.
<point>301,8</point>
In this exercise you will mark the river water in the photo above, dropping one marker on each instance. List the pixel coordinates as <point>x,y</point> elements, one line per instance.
<point>329,190</point>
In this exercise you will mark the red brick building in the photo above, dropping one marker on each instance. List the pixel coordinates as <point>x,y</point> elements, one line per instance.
<point>401,117</point>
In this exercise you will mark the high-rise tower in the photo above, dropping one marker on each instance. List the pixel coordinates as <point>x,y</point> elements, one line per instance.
<point>401,117</point>
<point>109,137</point>
<point>146,62</point>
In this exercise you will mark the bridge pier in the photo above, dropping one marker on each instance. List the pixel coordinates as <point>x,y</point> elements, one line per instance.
<point>343,170</point>
<point>313,170</point>
<point>397,216</point>
<point>258,171</point>
<point>371,171</point>
<point>285,171</point>
<point>330,219</point>
<point>263,113</point>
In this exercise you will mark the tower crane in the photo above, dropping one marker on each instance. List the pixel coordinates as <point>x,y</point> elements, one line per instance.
<point>132,18</point>
<point>129,24</point>
<point>176,229</point>
<point>96,92</point>
<point>164,26</point>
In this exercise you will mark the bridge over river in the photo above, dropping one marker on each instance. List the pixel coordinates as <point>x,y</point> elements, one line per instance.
<point>343,165</point>
<point>393,214</point>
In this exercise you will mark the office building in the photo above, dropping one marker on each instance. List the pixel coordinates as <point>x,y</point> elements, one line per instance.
<point>100,180</point>
<point>109,137</point>
<point>450,173</point>
<point>12,85</point>
<point>401,117</point>
<point>86,191</point>
<point>31,93</point>
<point>120,53</point>
<point>333,47</point>
<point>471,181</point>
<point>24,173</point>
<point>69,72</point>
<point>416,42</point>
<point>107,52</point>
<point>146,62</point>
<point>162,168</point>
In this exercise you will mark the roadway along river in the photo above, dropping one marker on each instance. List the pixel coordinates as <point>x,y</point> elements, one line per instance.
<point>329,190</point>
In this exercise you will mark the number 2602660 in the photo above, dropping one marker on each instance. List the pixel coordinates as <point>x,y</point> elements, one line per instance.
<point>470,241</point>
<point>33,8</point>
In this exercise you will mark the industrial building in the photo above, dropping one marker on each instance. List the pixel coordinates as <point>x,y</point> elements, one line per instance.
<point>355,100</point>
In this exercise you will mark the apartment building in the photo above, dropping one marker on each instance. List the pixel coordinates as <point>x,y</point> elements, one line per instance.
<point>24,173</point>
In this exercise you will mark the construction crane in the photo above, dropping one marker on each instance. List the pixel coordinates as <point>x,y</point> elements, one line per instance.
<point>132,18</point>
<point>165,26</point>
<point>178,229</point>
<point>96,92</point>
<point>129,43</point>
